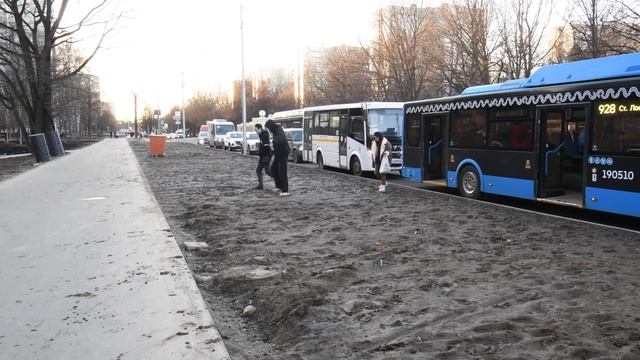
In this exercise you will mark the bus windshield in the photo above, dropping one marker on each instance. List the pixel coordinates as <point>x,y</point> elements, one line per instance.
<point>386,121</point>
<point>223,129</point>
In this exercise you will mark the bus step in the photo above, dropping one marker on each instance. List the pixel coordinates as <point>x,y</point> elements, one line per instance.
<point>440,182</point>
<point>562,201</point>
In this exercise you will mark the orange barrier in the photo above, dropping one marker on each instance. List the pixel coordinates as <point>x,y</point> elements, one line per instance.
<point>157,145</point>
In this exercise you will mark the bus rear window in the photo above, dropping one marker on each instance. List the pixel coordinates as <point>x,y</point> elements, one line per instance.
<point>616,128</point>
<point>413,132</point>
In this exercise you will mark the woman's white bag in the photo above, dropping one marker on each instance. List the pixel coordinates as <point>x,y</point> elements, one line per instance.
<point>385,167</point>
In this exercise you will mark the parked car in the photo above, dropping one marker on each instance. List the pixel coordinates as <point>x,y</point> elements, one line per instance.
<point>179,134</point>
<point>253,143</point>
<point>171,135</point>
<point>294,136</point>
<point>232,141</point>
<point>203,138</point>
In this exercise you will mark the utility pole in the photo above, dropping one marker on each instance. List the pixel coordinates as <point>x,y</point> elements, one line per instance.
<point>244,90</point>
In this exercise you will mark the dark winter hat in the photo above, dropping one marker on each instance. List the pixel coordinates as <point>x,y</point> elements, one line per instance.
<point>258,126</point>
<point>377,134</point>
<point>270,125</point>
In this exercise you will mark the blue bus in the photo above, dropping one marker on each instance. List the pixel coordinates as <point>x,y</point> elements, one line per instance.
<point>569,134</point>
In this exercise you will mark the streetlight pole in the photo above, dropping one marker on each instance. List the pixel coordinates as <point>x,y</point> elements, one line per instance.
<point>244,90</point>
<point>135,114</point>
<point>184,129</point>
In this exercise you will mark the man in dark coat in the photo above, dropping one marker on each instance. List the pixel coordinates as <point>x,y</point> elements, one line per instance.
<point>280,154</point>
<point>573,146</point>
<point>265,155</point>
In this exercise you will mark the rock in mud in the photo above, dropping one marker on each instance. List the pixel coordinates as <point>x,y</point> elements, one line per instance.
<point>249,310</point>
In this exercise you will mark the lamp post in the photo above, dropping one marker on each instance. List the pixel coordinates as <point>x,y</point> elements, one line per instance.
<point>244,91</point>
<point>184,129</point>
<point>135,114</point>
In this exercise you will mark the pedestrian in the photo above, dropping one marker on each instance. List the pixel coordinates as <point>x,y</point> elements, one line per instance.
<point>381,151</point>
<point>280,155</point>
<point>264,153</point>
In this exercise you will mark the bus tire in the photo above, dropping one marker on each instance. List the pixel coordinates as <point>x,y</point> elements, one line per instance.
<point>319,161</point>
<point>355,166</point>
<point>469,182</point>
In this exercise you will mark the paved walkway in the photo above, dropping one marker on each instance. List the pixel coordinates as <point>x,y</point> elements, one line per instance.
<point>89,268</point>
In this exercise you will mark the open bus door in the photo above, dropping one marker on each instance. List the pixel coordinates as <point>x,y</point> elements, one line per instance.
<point>561,158</point>
<point>550,144</point>
<point>432,137</point>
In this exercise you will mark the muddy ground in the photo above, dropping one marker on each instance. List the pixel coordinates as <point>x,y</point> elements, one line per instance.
<point>407,274</point>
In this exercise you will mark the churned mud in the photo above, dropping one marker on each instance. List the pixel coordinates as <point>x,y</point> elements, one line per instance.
<point>340,271</point>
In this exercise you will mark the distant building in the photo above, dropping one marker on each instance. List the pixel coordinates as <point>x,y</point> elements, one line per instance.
<point>575,41</point>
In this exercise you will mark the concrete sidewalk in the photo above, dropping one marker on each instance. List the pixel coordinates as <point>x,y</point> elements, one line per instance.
<point>89,268</point>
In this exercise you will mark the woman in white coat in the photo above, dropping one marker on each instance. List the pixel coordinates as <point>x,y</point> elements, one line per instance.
<point>381,149</point>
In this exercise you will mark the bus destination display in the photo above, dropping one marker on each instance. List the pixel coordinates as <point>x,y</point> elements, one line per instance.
<point>612,108</point>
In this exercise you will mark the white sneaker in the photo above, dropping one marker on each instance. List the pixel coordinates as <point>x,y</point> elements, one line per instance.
<point>284,194</point>
<point>382,188</point>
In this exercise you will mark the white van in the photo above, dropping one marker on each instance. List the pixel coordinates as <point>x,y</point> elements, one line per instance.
<point>218,128</point>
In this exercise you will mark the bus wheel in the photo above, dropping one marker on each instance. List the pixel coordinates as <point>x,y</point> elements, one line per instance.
<point>297,156</point>
<point>319,161</point>
<point>469,182</point>
<point>356,168</point>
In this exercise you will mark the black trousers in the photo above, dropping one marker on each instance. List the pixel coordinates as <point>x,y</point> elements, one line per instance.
<point>279,173</point>
<point>263,164</point>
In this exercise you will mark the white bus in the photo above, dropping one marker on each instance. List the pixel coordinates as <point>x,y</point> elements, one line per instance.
<point>340,136</point>
<point>288,119</point>
<point>218,128</point>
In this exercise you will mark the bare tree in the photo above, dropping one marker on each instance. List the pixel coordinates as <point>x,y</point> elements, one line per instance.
<point>591,22</point>
<point>523,27</point>
<point>628,18</point>
<point>148,120</point>
<point>406,53</point>
<point>30,31</point>
<point>314,78</point>
<point>347,76</point>
<point>471,42</point>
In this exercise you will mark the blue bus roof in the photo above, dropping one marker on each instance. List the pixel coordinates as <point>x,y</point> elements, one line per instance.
<point>507,85</point>
<point>610,67</point>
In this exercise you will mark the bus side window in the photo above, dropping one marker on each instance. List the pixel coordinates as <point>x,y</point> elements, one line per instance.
<point>357,129</point>
<point>468,128</point>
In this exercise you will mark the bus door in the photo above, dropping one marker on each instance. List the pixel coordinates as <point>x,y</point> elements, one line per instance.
<point>307,127</point>
<point>342,138</point>
<point>433,146</point>
<point>550,154</point>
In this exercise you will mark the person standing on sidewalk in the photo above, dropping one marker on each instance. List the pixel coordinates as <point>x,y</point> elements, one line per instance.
<point>264,153</point>
<point>280,155</point>
<point>381,151</point>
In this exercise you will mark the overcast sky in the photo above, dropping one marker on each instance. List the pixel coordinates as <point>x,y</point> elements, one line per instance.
<point>158,40</point>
